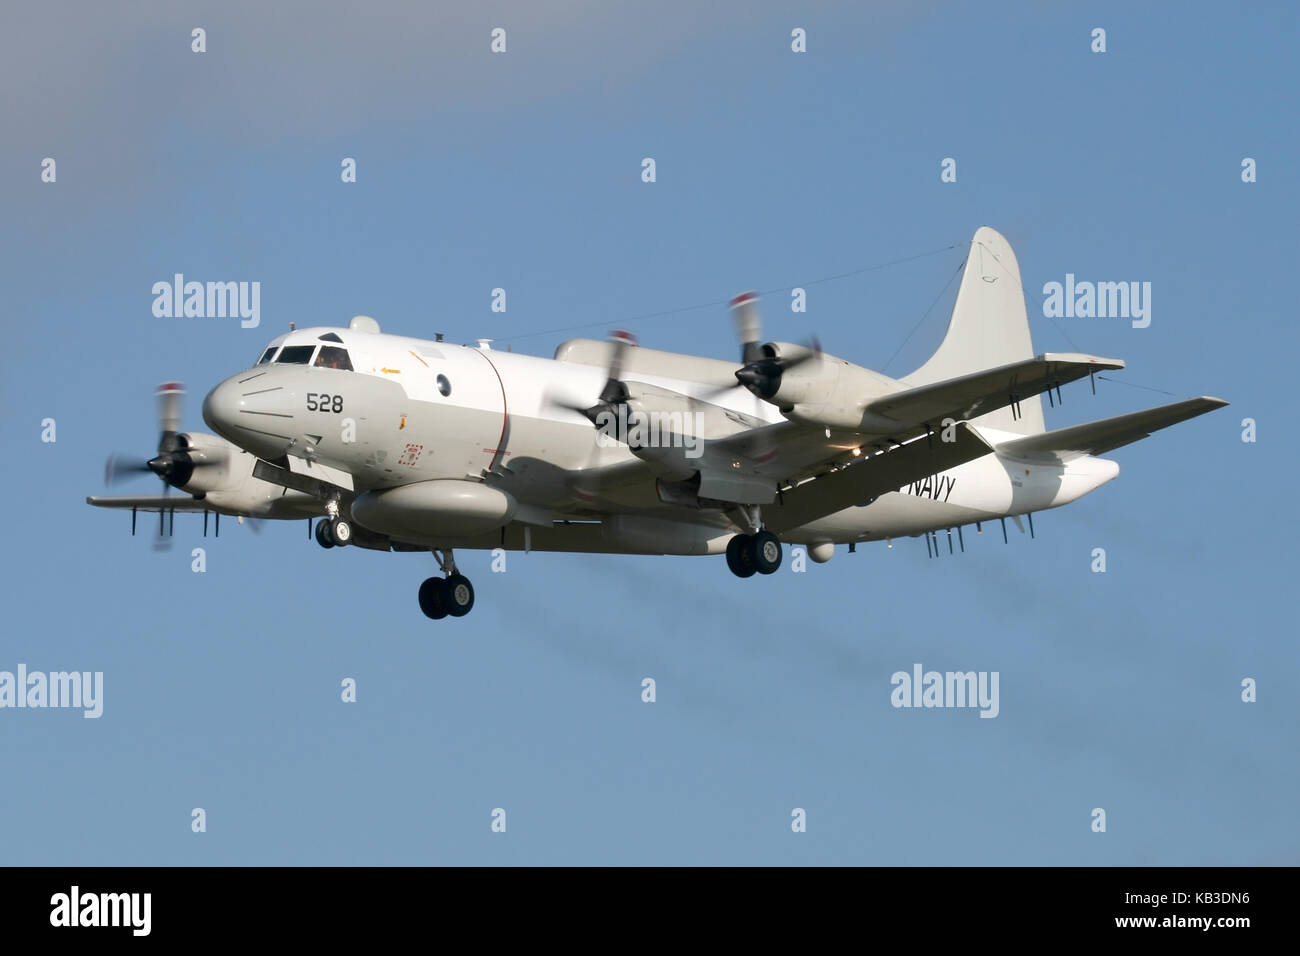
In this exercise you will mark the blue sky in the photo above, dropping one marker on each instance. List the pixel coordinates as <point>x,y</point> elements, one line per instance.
<point>1118,690</point>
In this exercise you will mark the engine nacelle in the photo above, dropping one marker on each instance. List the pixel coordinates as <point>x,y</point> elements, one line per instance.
<point>447,507</point>
<point>663,428</point>
<point>809,380</point>
<point>831,392</point>
<point>203,463</point>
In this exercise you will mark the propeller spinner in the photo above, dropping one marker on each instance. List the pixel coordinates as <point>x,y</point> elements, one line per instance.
<point>762,369</point>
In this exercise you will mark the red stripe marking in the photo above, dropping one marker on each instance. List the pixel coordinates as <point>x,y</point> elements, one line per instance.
<point>505,414</point>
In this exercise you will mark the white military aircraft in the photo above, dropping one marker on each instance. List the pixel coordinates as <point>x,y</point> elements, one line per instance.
<point>405,444</point>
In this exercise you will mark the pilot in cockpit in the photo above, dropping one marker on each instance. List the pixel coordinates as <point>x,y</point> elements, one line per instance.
<point>331,357</point>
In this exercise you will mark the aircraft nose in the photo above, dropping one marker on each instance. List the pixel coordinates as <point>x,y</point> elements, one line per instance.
<point>252,411</point>
<point>217,407</point>
<point>221,406</point>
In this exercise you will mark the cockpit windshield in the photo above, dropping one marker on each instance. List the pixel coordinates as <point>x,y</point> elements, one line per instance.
<point>266,356</point>
<point>333,357</point>
<point>295,355</point>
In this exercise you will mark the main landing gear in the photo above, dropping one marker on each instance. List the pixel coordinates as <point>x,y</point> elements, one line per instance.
<point>452,596</point>
<point>333,532</point>
<point>748,553</point>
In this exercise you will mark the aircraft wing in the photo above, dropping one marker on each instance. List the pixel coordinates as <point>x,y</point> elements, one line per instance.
<point>795,449</point>
<point>748,464</point>
<point>864,480</point>
<point>180,503</point>
<point>969,396</point>
<point>1099,437</point>
<point>782,449</point>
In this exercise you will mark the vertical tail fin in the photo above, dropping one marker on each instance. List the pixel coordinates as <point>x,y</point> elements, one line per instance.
<point>989,327</point>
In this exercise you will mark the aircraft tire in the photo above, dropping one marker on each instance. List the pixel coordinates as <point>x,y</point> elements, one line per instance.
<point>458,595</point>
<point>740,556</point>
<point>433,598</point>
<point>766,549</point>
<point>341,532</point>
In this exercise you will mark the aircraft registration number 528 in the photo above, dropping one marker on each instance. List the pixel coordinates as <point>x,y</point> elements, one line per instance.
<point>323,402</point>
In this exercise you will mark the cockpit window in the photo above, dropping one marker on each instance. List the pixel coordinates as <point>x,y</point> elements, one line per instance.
<point>333,357</point>
<point>295,355</point>
<point>266,356</point>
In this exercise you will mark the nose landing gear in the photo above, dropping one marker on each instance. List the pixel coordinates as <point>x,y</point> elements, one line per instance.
<point>333,532</point>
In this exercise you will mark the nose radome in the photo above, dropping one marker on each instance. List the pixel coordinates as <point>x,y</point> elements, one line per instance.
<point>221,409</point>
<point>255,411</point>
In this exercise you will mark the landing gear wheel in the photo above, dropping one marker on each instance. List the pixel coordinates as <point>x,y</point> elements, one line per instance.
<point>740,556</point>
<point>323,536</point>
<point>341,531</point>
<point>767,552</point>
<point>433,598</point>
<point>458,595</point>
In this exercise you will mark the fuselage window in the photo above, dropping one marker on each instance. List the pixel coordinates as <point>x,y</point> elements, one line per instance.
<point>444,385</point>
<point>266,356</point>
<point>333,357</point>
<point>295,355</point>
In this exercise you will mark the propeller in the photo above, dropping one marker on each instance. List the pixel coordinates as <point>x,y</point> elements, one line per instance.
<point>162,541</point>
<point>119,468</point>
<point>614,392</point>
<point>763,369</point>
<point>744,310</point>
<point>173,463</point>
<point>176,459</point>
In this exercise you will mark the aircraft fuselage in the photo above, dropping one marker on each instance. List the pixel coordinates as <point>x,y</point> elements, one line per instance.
<point>410,411</point>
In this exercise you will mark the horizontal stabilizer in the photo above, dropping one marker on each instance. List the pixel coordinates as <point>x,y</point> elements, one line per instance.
<point>979,393</point>
<point>865,480</point>
<point>1097,438</point>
